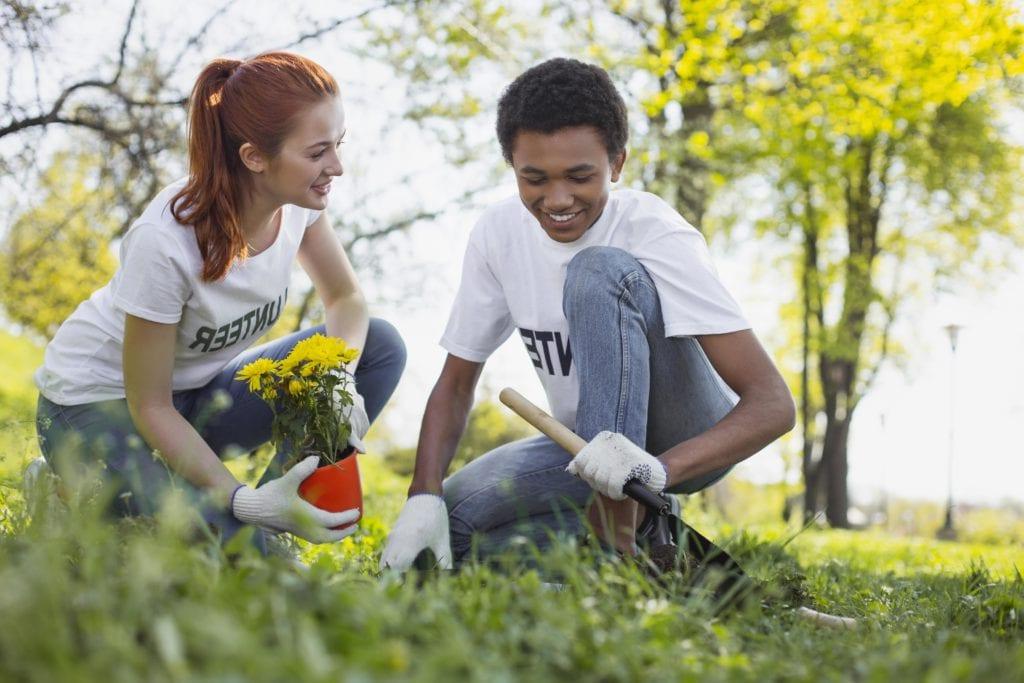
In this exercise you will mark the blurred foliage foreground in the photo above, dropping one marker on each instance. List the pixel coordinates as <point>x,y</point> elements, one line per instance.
<point>83,599</point>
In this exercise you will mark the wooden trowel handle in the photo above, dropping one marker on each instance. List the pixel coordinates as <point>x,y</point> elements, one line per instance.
<point>547,425</point>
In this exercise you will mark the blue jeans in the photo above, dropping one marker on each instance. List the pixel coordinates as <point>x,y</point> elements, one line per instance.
<point>103,433</point>
<point>657,391</point>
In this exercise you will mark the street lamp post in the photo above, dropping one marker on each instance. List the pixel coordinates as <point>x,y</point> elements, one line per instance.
<point>948,532</point>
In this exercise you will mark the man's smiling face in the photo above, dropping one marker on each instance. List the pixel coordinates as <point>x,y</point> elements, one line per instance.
<point>564,178</point>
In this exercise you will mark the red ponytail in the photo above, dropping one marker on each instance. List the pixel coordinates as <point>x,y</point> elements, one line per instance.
<point>234,102</point>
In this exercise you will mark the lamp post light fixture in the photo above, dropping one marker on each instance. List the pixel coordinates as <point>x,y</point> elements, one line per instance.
<point>947,531</point>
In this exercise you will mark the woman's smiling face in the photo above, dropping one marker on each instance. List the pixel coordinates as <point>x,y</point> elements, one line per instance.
<point>564,178</point>
<point>309,157</point>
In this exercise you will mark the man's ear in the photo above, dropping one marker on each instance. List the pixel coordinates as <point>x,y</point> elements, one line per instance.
<point>252,157</point>
<point>617,163</point>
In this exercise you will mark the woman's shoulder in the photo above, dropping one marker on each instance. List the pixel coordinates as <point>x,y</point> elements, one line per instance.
<point>295,218</point>
<point>158,211</point>
<point>156,228</point>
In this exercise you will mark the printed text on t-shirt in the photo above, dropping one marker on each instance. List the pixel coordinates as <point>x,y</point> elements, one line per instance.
<point>553,348</point>
<point>259,318</point>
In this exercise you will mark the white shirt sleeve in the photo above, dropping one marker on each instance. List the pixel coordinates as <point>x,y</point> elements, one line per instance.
<point>153,281</point>
<point>311,216</point>
<point>480,320</point>
<point>693,299</point>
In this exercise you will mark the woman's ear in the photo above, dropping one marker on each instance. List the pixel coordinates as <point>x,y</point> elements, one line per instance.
<point>252,157</point>
<point>617,163</point>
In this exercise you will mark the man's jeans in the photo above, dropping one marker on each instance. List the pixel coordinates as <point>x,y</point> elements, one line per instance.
<point>231,419</point>
<point>656,391</point>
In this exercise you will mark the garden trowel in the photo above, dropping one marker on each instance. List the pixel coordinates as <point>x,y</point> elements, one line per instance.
<point>696,555</point>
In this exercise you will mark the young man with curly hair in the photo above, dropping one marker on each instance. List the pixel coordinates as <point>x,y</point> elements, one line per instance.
<point>639,347</point>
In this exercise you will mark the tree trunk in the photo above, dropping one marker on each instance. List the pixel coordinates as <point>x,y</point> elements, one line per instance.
<point>834,475</point>
<point>811,298</point>
<point>810,468</point>
<point>812,490</point>
<point>840,353</point>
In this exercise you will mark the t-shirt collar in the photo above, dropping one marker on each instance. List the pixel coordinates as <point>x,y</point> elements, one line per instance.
<point>586,239</point>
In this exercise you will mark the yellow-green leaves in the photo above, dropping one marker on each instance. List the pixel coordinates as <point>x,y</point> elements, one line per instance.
<point>57,253</point>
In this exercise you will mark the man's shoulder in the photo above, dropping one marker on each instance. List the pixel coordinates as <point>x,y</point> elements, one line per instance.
<point>506,212</point>
<point>647,212</point>
<point>499,223</point>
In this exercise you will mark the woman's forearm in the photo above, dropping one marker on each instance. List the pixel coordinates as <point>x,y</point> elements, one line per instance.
<point>184,450</point>
<point>348,318</point>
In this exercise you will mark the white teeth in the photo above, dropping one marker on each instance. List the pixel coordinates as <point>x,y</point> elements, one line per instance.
<point>561,218</point>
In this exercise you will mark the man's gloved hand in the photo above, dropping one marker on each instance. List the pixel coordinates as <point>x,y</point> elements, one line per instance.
<point>422,524</point>
<point>610,460</point>
<point>357,418</point>
<point>276,506</point>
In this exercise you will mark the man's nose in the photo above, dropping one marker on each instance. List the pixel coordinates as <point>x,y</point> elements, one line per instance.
<point>559,198</point>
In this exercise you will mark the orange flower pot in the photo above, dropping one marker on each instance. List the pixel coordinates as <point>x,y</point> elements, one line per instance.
<point>335,487</point>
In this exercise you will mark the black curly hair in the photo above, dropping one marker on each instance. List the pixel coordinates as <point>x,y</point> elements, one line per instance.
<point>561,93</point>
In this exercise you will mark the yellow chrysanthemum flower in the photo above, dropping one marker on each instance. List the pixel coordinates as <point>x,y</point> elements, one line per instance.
<point>309,348</point>
<point>319,353</point>
<point>296,387</point>
<point>287,366</point>
<point>255,372</point>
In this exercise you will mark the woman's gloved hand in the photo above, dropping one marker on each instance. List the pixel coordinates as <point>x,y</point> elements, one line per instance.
<point>277,506</point>
<point>356,417</point>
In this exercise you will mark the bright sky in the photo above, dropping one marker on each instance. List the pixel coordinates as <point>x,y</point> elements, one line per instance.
<point>419,273</point>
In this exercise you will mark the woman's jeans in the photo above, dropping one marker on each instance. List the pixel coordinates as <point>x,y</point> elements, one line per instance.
<point>231,419</point>
<point>657,391</point>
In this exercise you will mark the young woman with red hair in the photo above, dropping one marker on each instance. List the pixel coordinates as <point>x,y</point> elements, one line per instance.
<point>147,363</point>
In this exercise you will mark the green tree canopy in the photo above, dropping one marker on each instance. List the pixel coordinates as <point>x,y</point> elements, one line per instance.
<point>58,252</point>
<point>876,128</point>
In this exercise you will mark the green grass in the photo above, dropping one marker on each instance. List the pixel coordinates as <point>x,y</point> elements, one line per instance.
<point>86,600</point>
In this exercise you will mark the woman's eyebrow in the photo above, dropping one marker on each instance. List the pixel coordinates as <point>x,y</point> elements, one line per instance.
<point>327,143</point>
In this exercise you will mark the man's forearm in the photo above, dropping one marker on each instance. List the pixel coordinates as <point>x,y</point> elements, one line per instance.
<point>753,424</point>
<point>444,421</point>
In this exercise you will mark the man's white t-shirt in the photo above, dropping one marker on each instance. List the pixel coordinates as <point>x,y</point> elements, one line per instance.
<point>513,275</point>
<point>159,279</point>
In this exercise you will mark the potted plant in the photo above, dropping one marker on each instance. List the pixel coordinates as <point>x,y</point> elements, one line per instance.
<point>308,392</point>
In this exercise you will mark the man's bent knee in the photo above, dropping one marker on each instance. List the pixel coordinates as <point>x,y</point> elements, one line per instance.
<point>602,262</point>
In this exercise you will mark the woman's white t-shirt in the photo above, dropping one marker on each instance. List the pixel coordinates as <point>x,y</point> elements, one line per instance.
<point>513,275</point>
<point>159,279</point>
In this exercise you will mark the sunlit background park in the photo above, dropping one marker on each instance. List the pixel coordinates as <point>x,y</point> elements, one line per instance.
<point>854,168</point>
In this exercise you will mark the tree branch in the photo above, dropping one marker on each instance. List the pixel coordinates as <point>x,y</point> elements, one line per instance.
<point>195,39</point>
<point>53,116</point>
<point>324,30</point>
<point>389,229</point>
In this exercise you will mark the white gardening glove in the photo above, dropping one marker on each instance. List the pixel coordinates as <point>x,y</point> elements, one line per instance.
<point>422,524</point>
<point>277,506</point>
<point>610,460</point>
<point>357,419</point>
